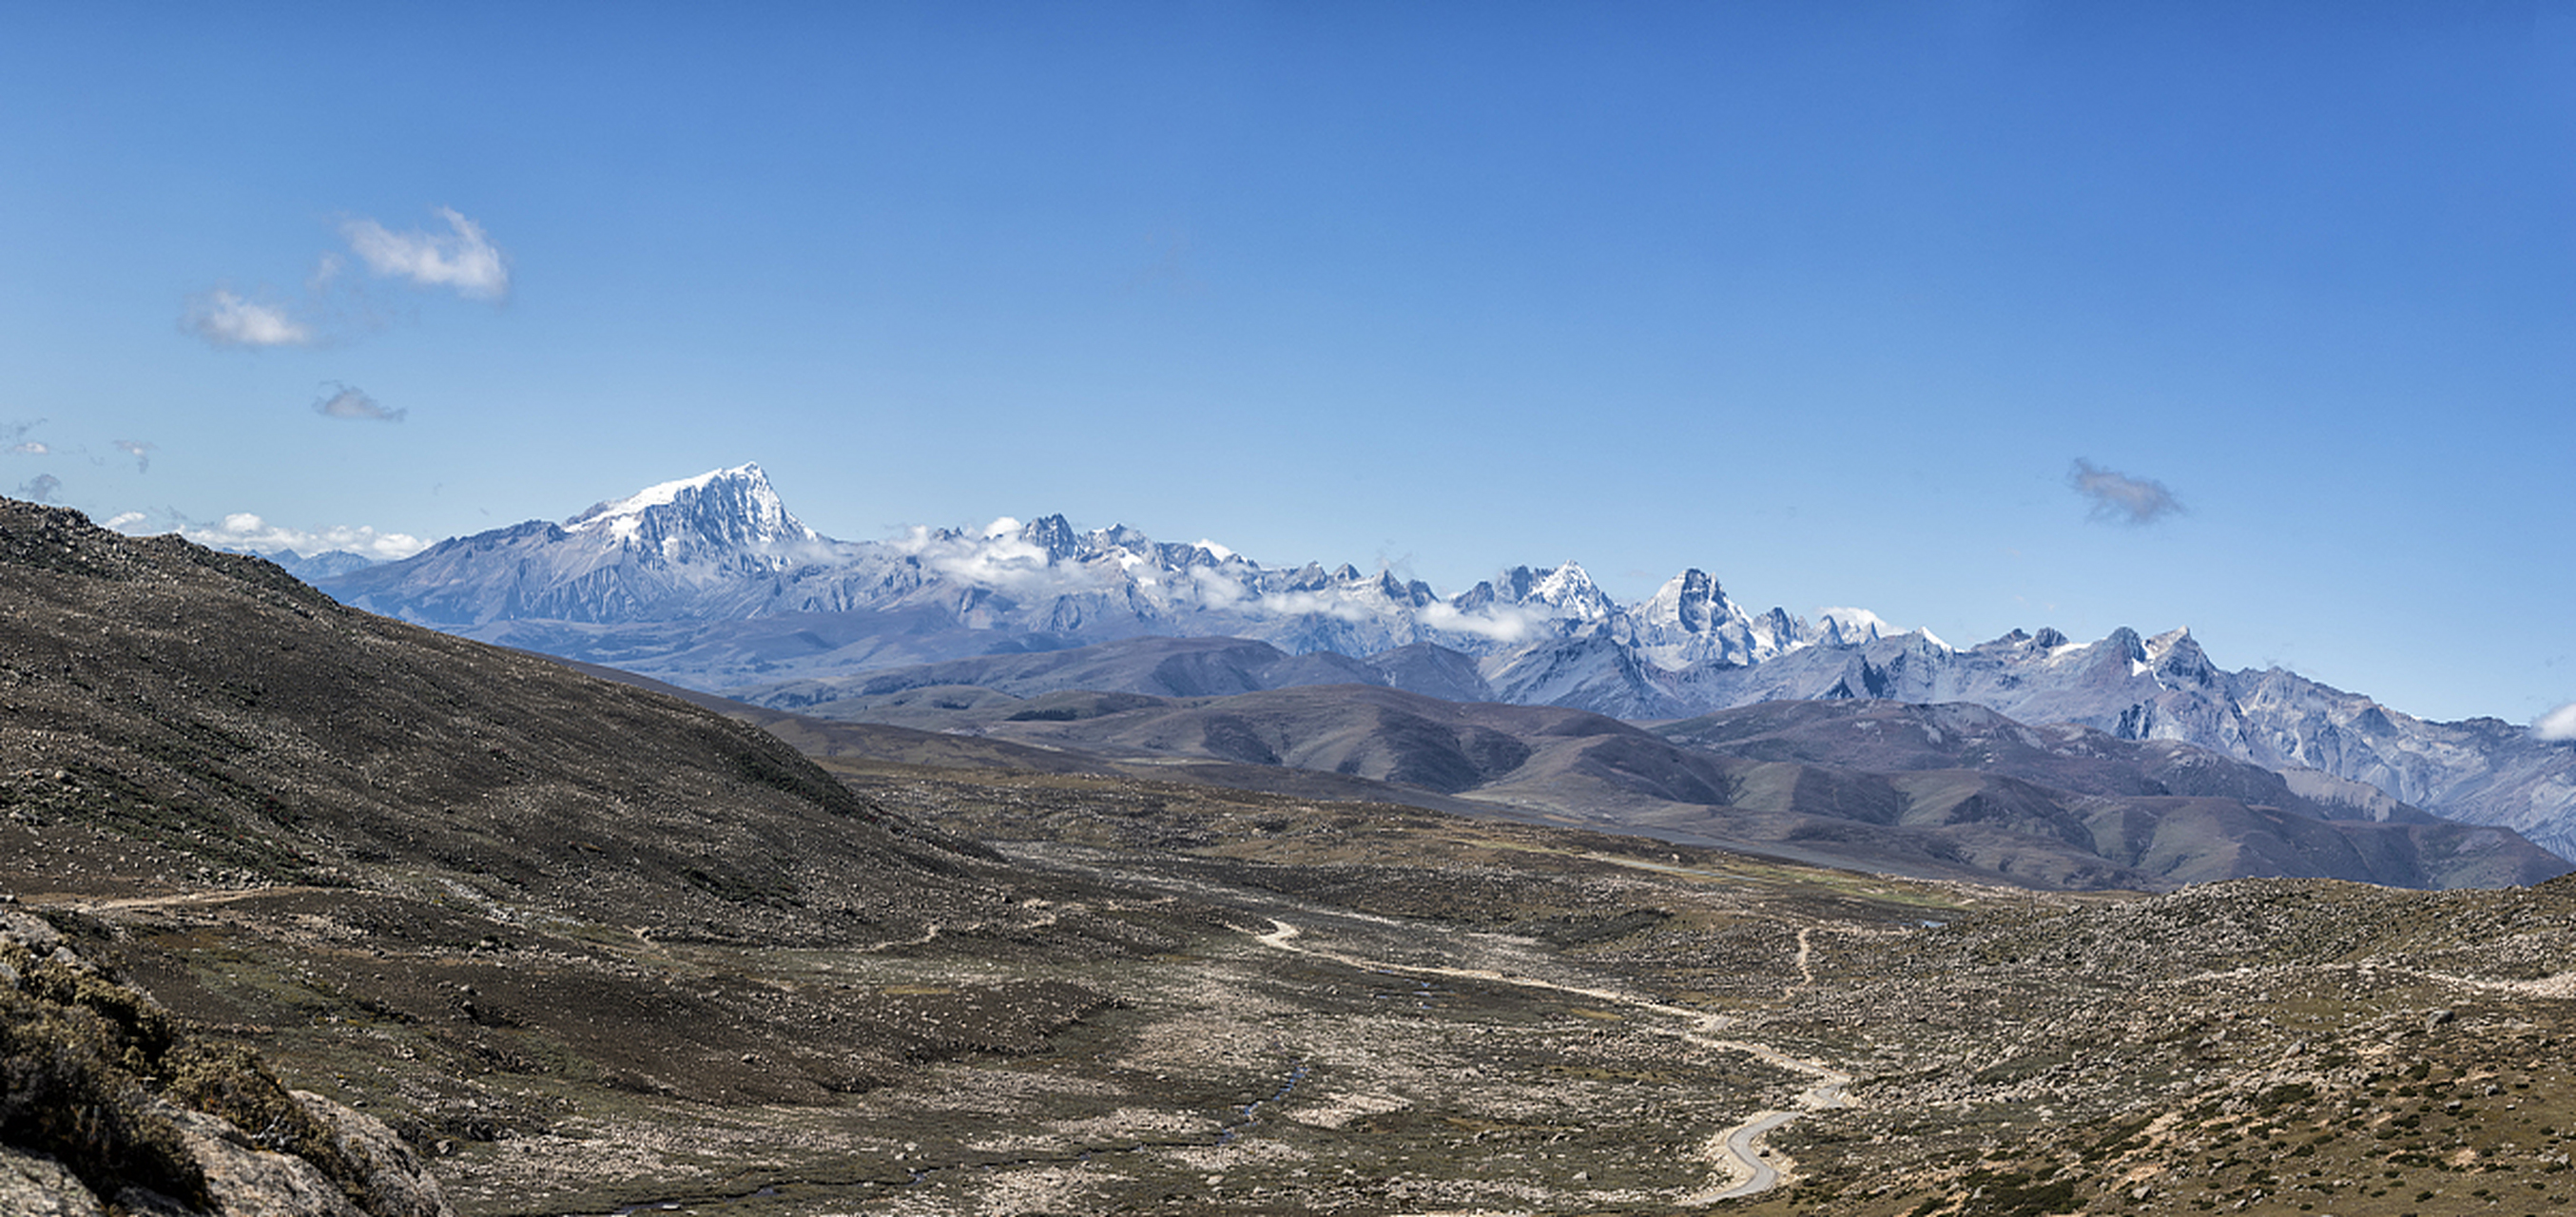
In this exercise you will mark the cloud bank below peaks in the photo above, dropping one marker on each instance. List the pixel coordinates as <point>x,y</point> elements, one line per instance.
<point>245,531</point>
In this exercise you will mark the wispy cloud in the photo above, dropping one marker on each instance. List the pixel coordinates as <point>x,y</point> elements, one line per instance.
<point>243,530</point>
<point>2119,498</point>
<point>1169,269</point>
<point>228,320</point>
<point>462,258</point>
<point>14,435</point>
<point>1002,558</point>
<point>41,488</point>
<point>1505,623</point>
<point>348,401</point>
<point>1216,588</point>
<point>2558,724</point>
<point>140,451</point>
<point>334,306</point>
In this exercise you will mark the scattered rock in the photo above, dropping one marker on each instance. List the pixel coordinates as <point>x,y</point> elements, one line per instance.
<point>246,1182</point>
<point>34,932</point>
<point>33,1185</point>
<point>395,1180</point>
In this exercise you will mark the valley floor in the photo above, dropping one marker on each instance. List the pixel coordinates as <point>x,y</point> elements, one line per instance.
<point>1218,1002</point>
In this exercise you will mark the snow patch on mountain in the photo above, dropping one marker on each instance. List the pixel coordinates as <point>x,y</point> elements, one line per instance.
<point>734,506</point>
<point>1852,627</point>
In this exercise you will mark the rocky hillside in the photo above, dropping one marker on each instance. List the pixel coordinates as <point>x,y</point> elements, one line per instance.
<point>293,818</point>
<point>234,726</point>
<point>110,1104</point>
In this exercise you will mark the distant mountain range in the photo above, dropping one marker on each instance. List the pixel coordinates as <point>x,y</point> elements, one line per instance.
<point>1951,791</point>
<point>711,583</point>
<point>722,547</point>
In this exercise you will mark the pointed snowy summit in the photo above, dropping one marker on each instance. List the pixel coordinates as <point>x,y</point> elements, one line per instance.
<point>720,509</point>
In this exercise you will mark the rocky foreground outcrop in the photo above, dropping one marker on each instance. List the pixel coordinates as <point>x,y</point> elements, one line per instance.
<point>110,1108</point>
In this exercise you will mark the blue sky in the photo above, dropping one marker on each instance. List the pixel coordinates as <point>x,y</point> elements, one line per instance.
<point>1828,300</point>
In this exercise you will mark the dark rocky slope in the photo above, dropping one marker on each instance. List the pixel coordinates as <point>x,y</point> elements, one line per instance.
<point>302,827</point>
<point>109,1104</point>
<point>228,724</point>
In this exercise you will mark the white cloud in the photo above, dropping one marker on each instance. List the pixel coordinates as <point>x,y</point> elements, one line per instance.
<point>1506,623</point>
<point>30,448</point>
<point>1001,560</point>
<point>243,530</point>
<point>998,558</point>
<point>140,451</point>
<point>2558,724</point>
<point>227,320</point>
<point>124,520</point>
<point>2121,499</point>
<point>350,402</point>
<point>462,258</point>
<point>1217,589</point>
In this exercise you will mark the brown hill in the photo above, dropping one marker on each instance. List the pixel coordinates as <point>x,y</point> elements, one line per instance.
<point>1949,791</point>
<point>230,724</point>
<point>1884,737</point>
<point>280,805</point>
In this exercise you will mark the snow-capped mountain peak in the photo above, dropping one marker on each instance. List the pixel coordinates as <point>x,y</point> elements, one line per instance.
<point>735,508</point>
<point>722,545</point>
<point>1054,535</point>
<point>650,581</point>
<point>1566,591</point>
<point>1851,627</point>
<point>1691,601</point>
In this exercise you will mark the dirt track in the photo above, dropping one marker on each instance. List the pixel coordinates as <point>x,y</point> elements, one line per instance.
<point>1742,1167</point>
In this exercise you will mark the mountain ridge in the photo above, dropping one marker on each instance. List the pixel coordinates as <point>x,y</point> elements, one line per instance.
<point>708,582</point>
<point>1932,791</point>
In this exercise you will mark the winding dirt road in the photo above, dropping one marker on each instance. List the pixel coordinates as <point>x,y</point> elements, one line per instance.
<point>1741,1166</point>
